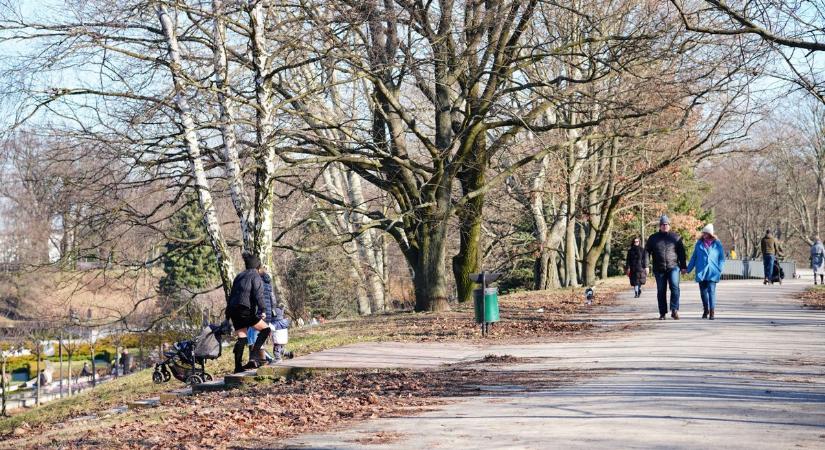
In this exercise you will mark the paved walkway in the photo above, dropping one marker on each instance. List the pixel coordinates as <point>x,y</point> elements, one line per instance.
<point>754,378</point>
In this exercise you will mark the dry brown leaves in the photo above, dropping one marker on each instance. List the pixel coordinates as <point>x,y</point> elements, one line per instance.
<point>814,299</point>
<point>264,414</point>
<point>524,316</point>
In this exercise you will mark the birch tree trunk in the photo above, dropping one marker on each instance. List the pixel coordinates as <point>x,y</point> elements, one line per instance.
<point>210,215</point>
<point>369,252</point>
<point>265,152</point>
<point>231,158</point>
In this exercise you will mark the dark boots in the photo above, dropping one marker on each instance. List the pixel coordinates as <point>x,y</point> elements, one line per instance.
<point>238,351</point>
<point>705,314</point>
<point>711,314</point>
<point>256,355</point>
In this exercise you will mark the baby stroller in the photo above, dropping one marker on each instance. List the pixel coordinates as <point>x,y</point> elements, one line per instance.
<point>778,274</point>
<point>187,358</point>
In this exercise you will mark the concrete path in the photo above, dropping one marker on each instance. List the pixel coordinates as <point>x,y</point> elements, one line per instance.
<point>752,379</point>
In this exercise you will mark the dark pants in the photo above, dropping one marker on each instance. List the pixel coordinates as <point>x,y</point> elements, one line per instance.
<point>637,289</point>
<point>767,264</point>
<point>662,280</point>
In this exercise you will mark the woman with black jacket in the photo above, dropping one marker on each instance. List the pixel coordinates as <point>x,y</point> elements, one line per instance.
<point>636,266</point>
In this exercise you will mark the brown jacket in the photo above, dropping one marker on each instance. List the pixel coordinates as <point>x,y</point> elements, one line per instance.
<point>770,246</point>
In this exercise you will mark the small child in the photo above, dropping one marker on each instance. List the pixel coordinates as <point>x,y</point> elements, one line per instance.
<point>279,323</point>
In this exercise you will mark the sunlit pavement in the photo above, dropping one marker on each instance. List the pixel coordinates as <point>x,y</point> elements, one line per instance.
<point>753,378</point>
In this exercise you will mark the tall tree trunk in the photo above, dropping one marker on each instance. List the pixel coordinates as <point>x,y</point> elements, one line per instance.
<point>210,215</point>
<point>428,262</point>
<point>606,259</point>
<point>231,158</point>
<point>468,259</point>
<point>570,250</point>
<point>366,244</point>
<point>265,152</point>
<point>540,225</point>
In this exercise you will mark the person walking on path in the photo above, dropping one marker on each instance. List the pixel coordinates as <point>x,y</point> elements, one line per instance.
<point>818,260</point>
<point>636,266</point>
<point>708,259</point>
<point>770,251</point>
<point>668,252</point>
<point>733,252</point>
<point>246,308</point>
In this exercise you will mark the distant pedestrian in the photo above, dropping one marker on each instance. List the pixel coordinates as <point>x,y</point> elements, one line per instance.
<point>708,259</point>
<point>733,252</point>
<point>668,253</point>
<point>85,371</point>
<point>126,361</point>
<point>818,260</point>
<point>771,250</point>
<point>636,266</point>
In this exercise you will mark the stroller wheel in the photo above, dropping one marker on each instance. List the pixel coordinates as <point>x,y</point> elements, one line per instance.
<point>194,379</point>
<point>166,375</point>
<point>207,377</point>
<point>157,377</point>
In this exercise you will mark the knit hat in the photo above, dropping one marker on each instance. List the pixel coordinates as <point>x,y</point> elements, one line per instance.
<point>664,220</point>
<point>709,229</point>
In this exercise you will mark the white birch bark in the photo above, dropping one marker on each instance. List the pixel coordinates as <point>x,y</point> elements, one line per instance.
<point>265,153</point>
<point>210,215</point>
<point>231,159</point>
<point>366,244</point>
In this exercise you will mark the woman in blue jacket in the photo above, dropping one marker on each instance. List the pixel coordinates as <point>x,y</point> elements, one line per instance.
<point>708,259</point>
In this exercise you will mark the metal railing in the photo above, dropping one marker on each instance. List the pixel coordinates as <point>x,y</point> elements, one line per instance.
<point>740,269</point>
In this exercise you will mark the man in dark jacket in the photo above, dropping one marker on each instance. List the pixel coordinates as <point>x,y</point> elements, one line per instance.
<point>246,308</point>
<point>668,254</point>
<point>770,251</point>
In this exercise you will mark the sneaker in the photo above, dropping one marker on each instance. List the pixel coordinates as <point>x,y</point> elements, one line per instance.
<point>675,315</point>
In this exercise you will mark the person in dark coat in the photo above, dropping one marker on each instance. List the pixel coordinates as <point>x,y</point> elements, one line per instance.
<point>245,308</point>
<point>668,252</point>
<point>636,266</point>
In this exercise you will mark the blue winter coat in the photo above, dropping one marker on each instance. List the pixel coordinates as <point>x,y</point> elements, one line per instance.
<point>269,297</point>
<point>708,261</point>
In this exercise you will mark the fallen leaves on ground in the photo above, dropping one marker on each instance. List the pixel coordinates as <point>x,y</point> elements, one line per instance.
<point>814,298</point>
<point>265,413</point>
<point>524,316</point>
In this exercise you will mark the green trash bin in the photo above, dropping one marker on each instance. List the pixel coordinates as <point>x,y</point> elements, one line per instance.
<point>489,300</point>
